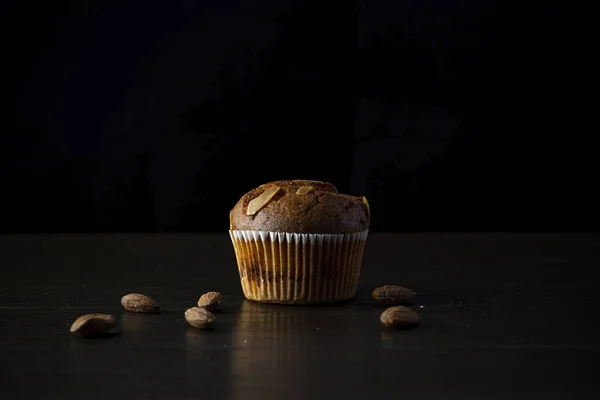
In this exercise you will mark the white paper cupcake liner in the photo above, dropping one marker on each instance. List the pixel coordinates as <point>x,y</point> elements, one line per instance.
<point>298,268</point>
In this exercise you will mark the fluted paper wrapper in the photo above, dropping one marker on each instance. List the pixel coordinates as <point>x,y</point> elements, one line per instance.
<point>298,268</point>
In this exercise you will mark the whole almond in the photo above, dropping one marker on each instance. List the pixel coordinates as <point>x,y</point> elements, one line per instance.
<point>136,302</point>
<point>199,317</point>
<point>211,301</point>
<point>91,325</point>
<point>399,317</point>
<point>393,295</point>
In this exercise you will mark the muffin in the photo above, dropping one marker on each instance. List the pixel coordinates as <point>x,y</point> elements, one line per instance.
<point>299,242</point>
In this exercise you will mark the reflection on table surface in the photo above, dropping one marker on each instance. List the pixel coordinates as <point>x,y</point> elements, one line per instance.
<point>489,305</point>
<point>266,338</point>
<point>288,347</point>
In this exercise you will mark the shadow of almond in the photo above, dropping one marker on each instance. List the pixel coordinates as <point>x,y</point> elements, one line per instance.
<point>136,323</point>
<point>207,352</point>
<point>196,341</point>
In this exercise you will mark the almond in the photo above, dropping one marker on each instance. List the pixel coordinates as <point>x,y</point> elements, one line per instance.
<point>393,295</point>
<point>136,302</point>
<point>199,317</point>
<point>256,204</point>
<point>399,317</point>
<point>92,325</point>
<point>305,190</point>
<point>211,301</point>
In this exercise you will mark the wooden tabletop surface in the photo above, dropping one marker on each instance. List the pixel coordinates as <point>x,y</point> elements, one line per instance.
<point>503,316</point>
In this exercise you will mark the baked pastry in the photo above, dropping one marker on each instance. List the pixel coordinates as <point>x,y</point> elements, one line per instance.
<point>299,242</point>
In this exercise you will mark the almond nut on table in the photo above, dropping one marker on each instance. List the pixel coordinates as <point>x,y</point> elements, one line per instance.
<point>399,317</point>
<point>199,317</point>
<point>211,301</point>
<point>94,325</point>
<point>393,295</point>
<point>136,302</point>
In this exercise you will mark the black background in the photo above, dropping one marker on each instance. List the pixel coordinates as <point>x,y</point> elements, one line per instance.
<point>157,116</point>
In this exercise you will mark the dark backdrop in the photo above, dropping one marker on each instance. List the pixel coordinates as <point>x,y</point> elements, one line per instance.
<point>157,116</point>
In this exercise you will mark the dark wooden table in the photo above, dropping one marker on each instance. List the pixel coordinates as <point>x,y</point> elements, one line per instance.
<point>504,316</point>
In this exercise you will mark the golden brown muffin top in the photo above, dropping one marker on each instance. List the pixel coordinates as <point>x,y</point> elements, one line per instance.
<point>300,206</point>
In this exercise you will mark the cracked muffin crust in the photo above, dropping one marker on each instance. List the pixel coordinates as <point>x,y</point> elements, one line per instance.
<point>301,206</point>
